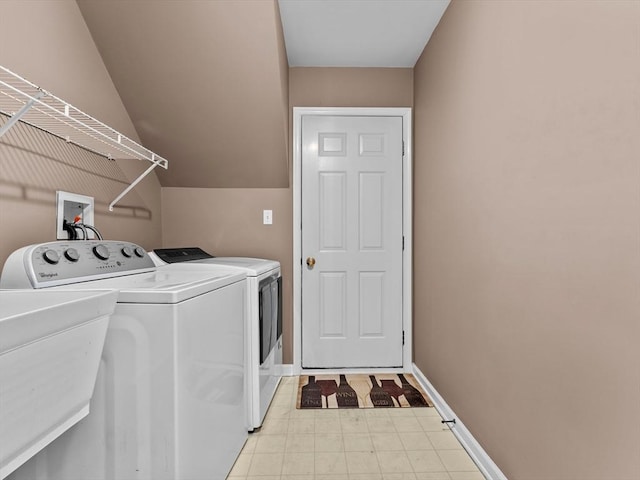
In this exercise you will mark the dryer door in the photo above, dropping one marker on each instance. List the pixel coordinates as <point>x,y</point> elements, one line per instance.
<point>266,318</point>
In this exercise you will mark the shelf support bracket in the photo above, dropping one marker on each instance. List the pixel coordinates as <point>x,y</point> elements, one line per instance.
<point>17,116</point>
<point>130,187</point>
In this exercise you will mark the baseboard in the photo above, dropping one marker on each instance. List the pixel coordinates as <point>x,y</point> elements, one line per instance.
<point>285,370</point>
<point>488,468</point>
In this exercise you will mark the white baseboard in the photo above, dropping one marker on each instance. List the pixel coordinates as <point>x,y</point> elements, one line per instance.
<point>285,370</point>
<point>488,468</point>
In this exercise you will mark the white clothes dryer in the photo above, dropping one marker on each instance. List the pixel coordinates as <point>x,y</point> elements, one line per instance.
<point>264,326</point>
<point>169,402</point>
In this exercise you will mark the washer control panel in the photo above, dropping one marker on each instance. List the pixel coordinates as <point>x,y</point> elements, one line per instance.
<point>63,262</point>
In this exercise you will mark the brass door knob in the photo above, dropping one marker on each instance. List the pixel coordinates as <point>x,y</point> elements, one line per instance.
<point>311,262</point>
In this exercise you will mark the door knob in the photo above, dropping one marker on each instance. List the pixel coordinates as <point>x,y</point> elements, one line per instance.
<point>311,262</point>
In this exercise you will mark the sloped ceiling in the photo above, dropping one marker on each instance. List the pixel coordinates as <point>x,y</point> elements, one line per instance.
<point>205,84</point>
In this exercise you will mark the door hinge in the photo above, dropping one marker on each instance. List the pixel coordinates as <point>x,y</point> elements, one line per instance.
<point>403,148</point>
<point>403,243</point>
<point>403,337</point>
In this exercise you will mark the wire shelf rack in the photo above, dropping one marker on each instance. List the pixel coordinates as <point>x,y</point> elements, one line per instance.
<point>23,101</point>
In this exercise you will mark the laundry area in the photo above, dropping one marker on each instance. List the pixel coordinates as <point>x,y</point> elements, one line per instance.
<point>319,239</point>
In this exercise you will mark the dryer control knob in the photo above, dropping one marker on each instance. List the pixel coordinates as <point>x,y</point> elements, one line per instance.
<point>101,252</point>
<point>139,252</point>
<point>51,257</point>
<point>72,254</point>
<point>127,252</point>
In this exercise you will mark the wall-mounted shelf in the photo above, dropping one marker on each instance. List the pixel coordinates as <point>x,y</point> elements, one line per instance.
<point>23,101</point>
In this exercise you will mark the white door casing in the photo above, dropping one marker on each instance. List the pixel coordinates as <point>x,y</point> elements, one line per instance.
<point>352,187</point>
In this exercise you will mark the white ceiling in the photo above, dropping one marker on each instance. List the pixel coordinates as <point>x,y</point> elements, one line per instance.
<point>358,33</point>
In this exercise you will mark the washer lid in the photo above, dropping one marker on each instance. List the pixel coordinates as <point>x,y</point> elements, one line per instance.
<point>163,286</point>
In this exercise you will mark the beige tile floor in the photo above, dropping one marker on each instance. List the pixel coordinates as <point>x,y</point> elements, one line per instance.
<point>353,444</point>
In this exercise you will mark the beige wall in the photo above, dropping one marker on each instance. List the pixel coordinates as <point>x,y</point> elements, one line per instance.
<point>347,87</point>
<point>60,56</point>
<point>228,221</point>
<point>196,76</point>
<point>350,87</point>
<point>527,265</point>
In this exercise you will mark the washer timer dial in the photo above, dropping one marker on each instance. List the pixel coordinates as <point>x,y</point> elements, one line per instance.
<point>101,252</point>
<point>51,257</point>
<point>72,254</point>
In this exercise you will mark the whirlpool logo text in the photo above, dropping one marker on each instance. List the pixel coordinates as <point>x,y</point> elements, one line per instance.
<point>47,275</point>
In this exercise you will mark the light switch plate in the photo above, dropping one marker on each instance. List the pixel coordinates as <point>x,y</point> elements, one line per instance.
<point>267,217</point>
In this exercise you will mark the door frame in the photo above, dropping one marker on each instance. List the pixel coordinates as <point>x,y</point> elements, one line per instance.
<point>407,224</point>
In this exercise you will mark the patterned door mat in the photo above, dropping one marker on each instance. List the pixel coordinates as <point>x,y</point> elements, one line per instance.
<point>361,391</point>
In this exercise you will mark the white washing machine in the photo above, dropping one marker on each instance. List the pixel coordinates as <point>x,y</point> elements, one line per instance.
<point>169,402</point>
<point>264,326</point>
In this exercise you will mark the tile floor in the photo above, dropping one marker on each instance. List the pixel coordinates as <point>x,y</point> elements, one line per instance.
<point>353,444</point>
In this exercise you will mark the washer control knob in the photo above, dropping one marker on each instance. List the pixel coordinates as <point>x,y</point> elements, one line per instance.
<point>51,257</point>
<point>127,252</point>
<point>139,252</point>
<point>101,252</point>
<point>72,254</point>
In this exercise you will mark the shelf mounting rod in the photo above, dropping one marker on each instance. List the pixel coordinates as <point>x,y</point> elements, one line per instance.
<point>130,187</point>
<point>17,116</point>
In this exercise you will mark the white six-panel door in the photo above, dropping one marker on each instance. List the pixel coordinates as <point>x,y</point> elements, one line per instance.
<point>351,241</point>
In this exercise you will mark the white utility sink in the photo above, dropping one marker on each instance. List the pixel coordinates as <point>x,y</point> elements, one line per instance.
<point>50,348</point>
